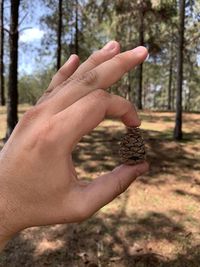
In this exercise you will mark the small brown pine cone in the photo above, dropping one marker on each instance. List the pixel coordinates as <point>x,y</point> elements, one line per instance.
<point>132,147</point>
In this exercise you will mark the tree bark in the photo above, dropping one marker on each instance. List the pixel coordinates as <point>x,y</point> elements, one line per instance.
<point>169,102</point>
<point>12,100</point>
<point>178,121</point>
<point>140,67</point>
<point>2,91</point>
<point>128,92</point>
<point>59,35</point>
<point>76,29</point>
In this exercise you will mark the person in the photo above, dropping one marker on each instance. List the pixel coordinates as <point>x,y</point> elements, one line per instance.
<point>39,184</point>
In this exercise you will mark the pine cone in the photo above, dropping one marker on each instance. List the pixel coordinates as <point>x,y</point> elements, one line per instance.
<point>132,148</point>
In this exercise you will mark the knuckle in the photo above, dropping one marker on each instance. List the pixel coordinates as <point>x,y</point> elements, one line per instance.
<point>99,94</point>
<point>89,78</point>
<point>31,114</point>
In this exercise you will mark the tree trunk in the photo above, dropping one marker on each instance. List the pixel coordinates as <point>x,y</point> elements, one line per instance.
<point>59,35</point>
<point>173,95</point>
<point>140,67</point>
<point>128,92</point>
<point>2,93</point>
<point>178,122</point>
<point>12,101</point>
<point>76,29</point>
<point>169,102</point>
<point>188,99</point>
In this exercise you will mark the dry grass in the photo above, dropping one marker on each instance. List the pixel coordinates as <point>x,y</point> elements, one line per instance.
<point>155,223</point>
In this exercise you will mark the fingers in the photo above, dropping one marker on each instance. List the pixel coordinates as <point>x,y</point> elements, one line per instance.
<point>61,75</point>
<point>69,69</point>
<point>108,186</point>
<point>65,71</point>
<point>111,49</point>
<point>103,76</point>
<point>89,111</point>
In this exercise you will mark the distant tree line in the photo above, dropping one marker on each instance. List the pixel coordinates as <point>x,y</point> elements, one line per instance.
<point>169,80</point>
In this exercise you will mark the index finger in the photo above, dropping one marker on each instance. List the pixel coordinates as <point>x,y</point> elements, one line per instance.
<point>103,76</point>
<point>88,112</point>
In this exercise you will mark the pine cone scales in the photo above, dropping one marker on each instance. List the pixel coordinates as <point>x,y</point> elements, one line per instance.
<point>132,147</point>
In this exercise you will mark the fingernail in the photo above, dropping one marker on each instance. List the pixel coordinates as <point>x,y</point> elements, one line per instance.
<point>147,57</point>
<point>140,50</point>
<point>110,46</point>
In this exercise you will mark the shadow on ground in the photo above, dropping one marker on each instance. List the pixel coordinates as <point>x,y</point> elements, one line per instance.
<point>99,152</point>
<point>113,240</point>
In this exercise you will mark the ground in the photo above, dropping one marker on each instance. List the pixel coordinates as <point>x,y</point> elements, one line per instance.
<point>156,222</point>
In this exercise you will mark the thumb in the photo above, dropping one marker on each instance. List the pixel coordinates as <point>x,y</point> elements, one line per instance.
<point>108,186</point>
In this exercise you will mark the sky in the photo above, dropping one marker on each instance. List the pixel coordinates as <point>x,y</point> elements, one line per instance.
<point>30,38</point>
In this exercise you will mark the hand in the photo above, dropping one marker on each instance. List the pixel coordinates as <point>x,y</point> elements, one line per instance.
<point>39,185</point>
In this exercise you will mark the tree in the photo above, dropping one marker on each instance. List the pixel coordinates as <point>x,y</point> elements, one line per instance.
<point>172,37</point>
<point>76,28</point>
<point>133,20</point>
<point>2,94</point>
<point>59,35</point>
<point>178,121</point>
<point>141,10</point>
<point>12,99</point>
<point>58,23</point>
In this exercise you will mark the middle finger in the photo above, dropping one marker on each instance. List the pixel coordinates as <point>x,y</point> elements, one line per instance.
<point>103,76</point>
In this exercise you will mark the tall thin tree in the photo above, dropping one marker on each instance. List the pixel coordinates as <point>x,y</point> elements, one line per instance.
<point>59,34</point>
<point>12,99</point>
<point>2,93</point>
<point>169,100</point>
<point>76,28</point>
<point>140,67</point>
<point>178,120</point>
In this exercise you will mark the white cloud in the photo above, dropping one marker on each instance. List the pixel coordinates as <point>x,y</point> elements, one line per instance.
<point>31,35</point>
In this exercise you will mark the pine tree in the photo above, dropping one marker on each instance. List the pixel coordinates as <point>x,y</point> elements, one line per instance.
<point>12,100</point>
<point>178,122</point>
<point>59,34</point>
<point>2,94</point>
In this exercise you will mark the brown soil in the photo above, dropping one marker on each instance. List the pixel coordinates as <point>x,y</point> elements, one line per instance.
<point>156,222</point>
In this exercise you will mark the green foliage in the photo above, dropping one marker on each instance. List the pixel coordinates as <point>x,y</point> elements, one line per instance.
<point>102,20</point>
<point>31,87</point>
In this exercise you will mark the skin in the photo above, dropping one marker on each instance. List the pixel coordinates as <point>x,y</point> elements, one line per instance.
<point>39,184</point>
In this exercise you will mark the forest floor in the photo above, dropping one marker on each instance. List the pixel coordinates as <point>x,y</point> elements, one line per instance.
<point>156,222</point>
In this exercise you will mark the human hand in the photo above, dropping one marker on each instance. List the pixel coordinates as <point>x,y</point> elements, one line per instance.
<point>39,185</point>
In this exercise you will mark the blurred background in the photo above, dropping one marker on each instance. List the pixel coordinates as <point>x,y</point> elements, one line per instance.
<point>156,222</point>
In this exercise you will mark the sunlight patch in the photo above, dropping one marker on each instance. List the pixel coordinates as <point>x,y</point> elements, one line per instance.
<point>46,245</point>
